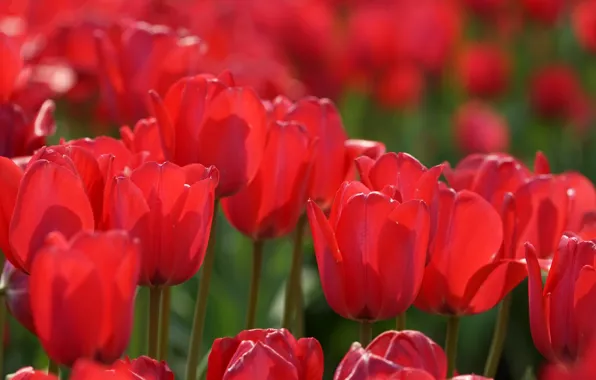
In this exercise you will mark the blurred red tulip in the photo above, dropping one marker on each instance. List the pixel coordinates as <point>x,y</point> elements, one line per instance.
<point>544,11</point>
<point>20,134</point>
<point>396,355</point>
<point>335,154</point>
<point>85,369</point>
<point>489,175</point>
<point>370,252</point>
<point>82,295</point>
<point>270,353</point>
<point>144,138</point>
<point>12,63</point>
<point>561,313</point>
<point>401,175</point>
<point>272,203</point>
<point>203,120</point>
<point>16,287</point>
<point>485,8</point>
<point>483,70</point>
<point>169,210</point>
<point>584,24</point>
<point>556,93</point>
<point>478,128</point>
<point>28,373</point>
<point>402,86</point>
<point>134,59</point>
<point>464,275</point>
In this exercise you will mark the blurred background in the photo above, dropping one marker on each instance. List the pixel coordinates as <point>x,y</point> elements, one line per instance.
<point>436,78</point>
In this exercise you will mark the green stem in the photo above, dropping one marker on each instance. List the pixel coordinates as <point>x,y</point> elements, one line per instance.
<point>53,368</point>
<point>451,343</point>
<point>2,323</point>
<point>164,329</point>
<point>365,333</point>
<point>499,335</point>
<point>400,322</point>
<point>138,341</point>
<point>299,310</point>
<point>198,323</point>
<point>253,299</point>
<point>153,331</point>
<point>294,286</point>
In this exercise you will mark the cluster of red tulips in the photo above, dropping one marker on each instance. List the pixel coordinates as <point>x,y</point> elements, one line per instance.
<point>85,222</point>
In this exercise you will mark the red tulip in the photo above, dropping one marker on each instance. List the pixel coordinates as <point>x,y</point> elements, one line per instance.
<point>335,154</point>
<point>85,369</point>
<point>144,138</point>
<point>402,86</point>
<point>396,355</point>
<point>489,175</point>
<point>136,59</point>
<point>10,179</point>
<point>584,24</point>
<point>463,276</point>
<point>202,120</point>
<point>370,252</point>
<point>16,287</point>
<point>561,314</point>
<point>544,11</point>
<point>146,368</point>
<point>485,8</point>
<point>82,295</point>
<point>270,353</point>
<point>403,173</point>
<point>51,197</point>
<point>483,70</point>
<point>21,133</point>
<point>169,209</point>
<point>478,128</point>
<point>272,203</point>
<point>583,368</point>
<point>28,373</point>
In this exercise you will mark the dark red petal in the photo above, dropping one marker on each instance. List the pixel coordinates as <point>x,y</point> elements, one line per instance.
<point>50,198</point>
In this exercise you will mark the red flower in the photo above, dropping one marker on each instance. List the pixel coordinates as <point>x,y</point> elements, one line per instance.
<point>584,24</point>
<point>10,179</point>
<point>28,373</point>
<point>485,8</point>
<point>16,287</point>
<point>370,252</point>
<point>144,139</point>
<point>556,93</point>
<point>401,175</point>
<point>272,203</point>
<point>396,355</point>
<point>169,209</point>
<point>489,175</point>
<point>142,368</point>
<point>147,368</point>
<point>561,314</point>
<point>136,57</point>
<point>270,353</point>
<point>12,63</point>
<point>584,368</point>
<point>21,134</point>
<point>478,128</point>
<point>82,295</point>
<point>402,86</point>
<point>544,11</point>
<point>483,70</point>
<point>335,154</point>
<point>203,120</point>
<point>464,276</point>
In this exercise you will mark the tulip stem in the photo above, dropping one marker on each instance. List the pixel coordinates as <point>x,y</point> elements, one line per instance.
<point>153,332</point>
<point>253,298</point>
<point>400,322</point>
<point>451,343</point>
<point>53,368</point>
<point>164,320</point>
<point>499,335</point>
<point>365,333</point>
<point>198,323</point>
<point>293,301</point>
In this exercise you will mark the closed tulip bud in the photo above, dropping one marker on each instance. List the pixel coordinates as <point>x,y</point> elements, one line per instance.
<point>483,70</point>
<point>28,373</point>
<point>272,203</point>
<point>271,353</point>
<point>370,252</point>
<point>169,210</point>
<point>479,128</point>
<point>82,295</point>
<point>561,312</point>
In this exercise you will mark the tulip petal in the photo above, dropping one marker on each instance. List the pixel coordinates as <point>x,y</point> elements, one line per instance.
<point>399,169</point>
<point>346,191</point>
<point>310,356</point>
<point>10,178</point>
<point>541,164</point>
<point>255,360</point>
<point>585,308</point>
<point>364,165</point>
<point>12,63</point>
<point>50,198</point>
<point>222,351</point>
